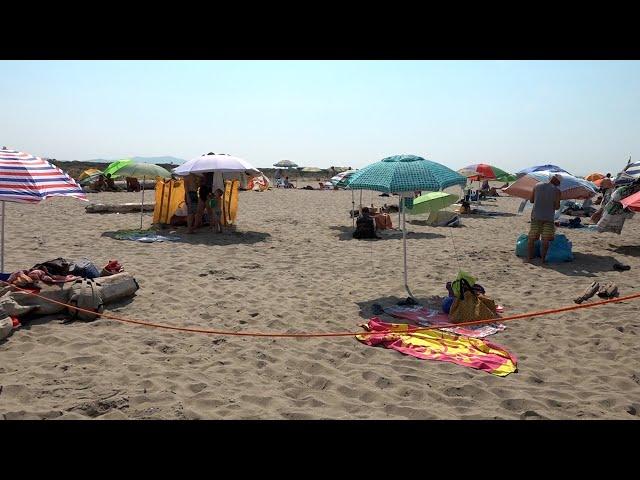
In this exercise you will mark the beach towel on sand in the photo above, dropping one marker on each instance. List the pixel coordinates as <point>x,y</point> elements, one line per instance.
<point>423,316</point>
<point>438,345</point>
<point>145,236</point>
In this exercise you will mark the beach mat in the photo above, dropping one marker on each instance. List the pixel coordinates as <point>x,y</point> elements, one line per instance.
<point>469,352</point>
<point>425,317</point>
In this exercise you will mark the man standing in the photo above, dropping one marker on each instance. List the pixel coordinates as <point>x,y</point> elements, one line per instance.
<point>546,200</point>
<point>191,198</point>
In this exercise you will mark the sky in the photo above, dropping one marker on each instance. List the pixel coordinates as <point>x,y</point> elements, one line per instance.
<point>581,115</point>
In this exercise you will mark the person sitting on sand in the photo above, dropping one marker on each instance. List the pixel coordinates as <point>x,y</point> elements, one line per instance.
<point>191,198</point>
<point>111,185</point>
<point>546,200</point>
<point>365,226</point>
<point>215,206</point>
<point>287,183</point>
<point>99,184</point>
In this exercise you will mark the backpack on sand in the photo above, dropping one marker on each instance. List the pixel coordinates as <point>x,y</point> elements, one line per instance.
<point>85,294</point>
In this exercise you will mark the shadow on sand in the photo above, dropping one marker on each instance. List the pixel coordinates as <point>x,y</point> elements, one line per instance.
<point>583,265</point>
<point>629,250</point>
<point>346,233</point>
<point>367,309</point>
<point>207,237</point>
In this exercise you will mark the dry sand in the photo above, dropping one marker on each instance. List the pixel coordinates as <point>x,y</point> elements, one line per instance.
<point>293,267</point>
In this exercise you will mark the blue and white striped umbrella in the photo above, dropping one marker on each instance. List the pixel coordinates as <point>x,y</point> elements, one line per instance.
<point>630,174</point>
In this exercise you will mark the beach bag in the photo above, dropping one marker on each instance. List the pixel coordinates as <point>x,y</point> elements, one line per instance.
<point>470,306</point>
<point>86,295</point>
<point>57,266</point>
<point>559,250</point>
<point>84,268</point>
<point>522,245</point>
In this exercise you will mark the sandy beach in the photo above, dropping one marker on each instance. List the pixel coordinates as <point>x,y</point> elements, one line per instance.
<point>292,266</point>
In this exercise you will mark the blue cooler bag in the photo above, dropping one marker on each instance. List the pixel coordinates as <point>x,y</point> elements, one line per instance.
<point>522,244</point>
<point>559,250</point>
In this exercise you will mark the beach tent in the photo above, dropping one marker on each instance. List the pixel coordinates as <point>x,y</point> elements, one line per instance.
<point>170,196</point>
<point>404,174</point>
<point>28,179</point>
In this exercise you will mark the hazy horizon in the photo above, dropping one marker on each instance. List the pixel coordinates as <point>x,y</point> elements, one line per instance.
<point>581,115</point>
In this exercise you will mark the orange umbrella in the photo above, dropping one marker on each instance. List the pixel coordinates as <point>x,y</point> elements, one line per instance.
<point>592,177</point>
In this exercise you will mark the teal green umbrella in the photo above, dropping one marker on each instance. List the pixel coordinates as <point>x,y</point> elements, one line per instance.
<point>129,168</point>
<point>431,202</point>
<point>404,174</point>
<point>113,167</point>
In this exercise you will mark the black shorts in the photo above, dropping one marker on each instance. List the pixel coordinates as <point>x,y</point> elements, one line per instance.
<point>192,204</point>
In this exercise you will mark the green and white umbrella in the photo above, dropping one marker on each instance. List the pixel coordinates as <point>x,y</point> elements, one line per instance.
<point>113,167</point>
<point>139,170</point>
<point>404,174</point>
<point>431,202</point>
<point>341,180</point>
<point>285,164</point>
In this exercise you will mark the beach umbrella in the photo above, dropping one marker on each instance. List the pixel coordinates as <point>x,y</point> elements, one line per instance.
<point>629,175</point>
<point>116,165</point>
<point>632,202</point>
<point>404,174</point>
<point>216,162</point>
<point>541,168</point>
<point>341,180</point>
<point>142,171</point>
<point>593,177</point>
<point>431,202</point>
<point>288,164</point>
<point>90,179</point>
<point>89,172</point>
<point>483,171</point>
<point>28,179</point>
<point>311,170</point>
<point>285,164</point>
<point>570,187</point>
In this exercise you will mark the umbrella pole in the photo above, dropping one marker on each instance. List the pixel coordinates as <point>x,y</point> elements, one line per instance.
<point>2,241</point>
<point>142,203</point>
<point>353,208</point>
<point>404,247</point>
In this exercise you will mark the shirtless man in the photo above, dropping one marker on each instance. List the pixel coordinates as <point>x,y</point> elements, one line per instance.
<point>191,198</point>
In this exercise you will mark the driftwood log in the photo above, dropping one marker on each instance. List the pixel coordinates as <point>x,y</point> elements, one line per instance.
<point>118,208</point>
<point>19,304</point>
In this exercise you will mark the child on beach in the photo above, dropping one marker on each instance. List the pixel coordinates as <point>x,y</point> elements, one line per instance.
<point>214,204</point>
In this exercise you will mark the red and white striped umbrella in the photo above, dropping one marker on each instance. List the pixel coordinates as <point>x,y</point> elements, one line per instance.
<point>28,179</point>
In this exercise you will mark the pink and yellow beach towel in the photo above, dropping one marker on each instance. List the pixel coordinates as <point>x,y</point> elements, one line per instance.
<point>439,345</point>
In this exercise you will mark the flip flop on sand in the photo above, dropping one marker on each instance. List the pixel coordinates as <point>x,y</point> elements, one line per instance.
<point>608,290</point>
<point>621,267</point>
<point>589,292</point>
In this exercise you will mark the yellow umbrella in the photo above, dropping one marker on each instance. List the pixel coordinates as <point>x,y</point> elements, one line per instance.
<point>88,172</point>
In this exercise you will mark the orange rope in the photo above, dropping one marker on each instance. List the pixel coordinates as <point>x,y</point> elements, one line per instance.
<point>335,334</point>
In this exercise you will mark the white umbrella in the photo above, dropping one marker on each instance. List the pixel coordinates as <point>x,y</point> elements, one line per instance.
<point>220,162</point>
